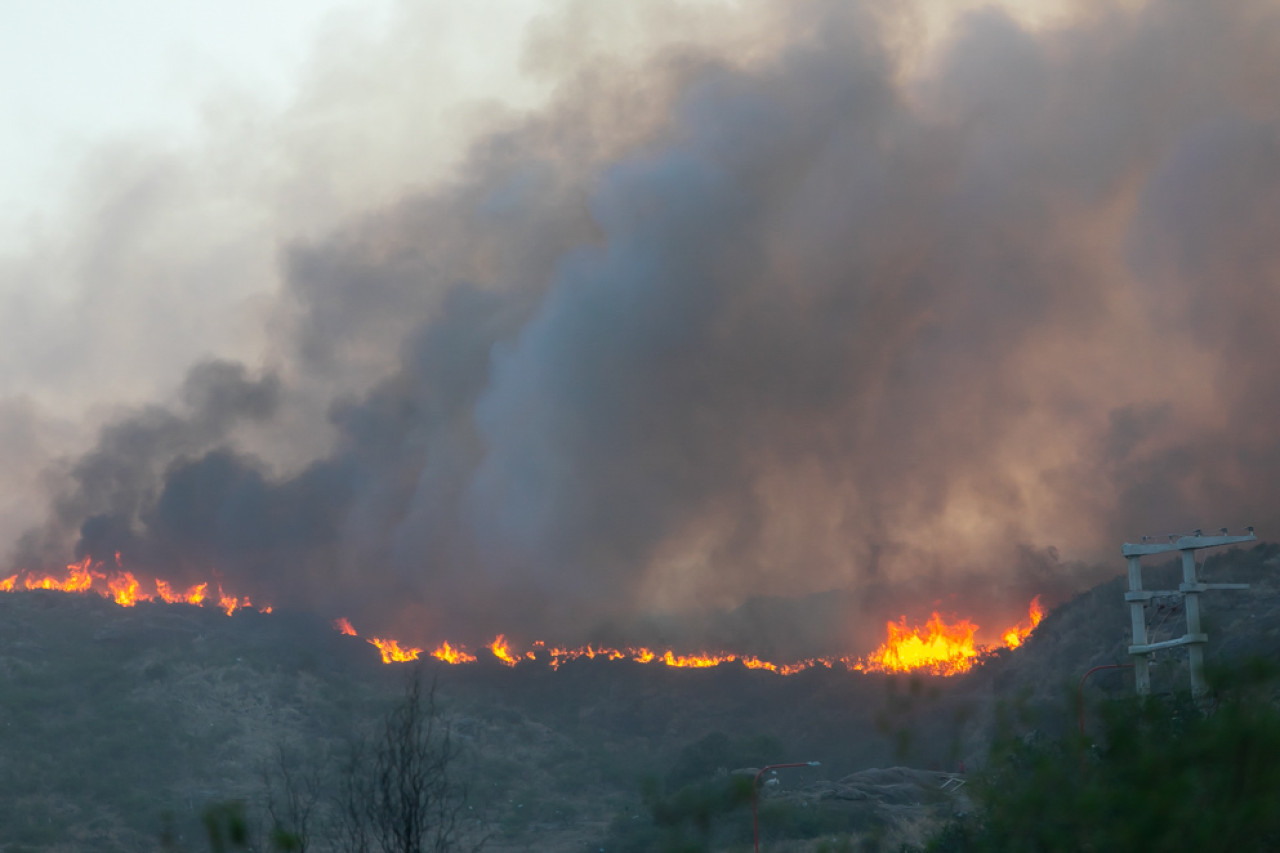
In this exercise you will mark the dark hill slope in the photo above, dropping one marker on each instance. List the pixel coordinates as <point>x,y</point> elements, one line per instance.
<point>111,718</point>
<point>114,718</point>
<point>1042,677</point>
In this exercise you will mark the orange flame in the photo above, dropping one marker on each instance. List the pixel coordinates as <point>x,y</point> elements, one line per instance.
<point>79,579</point>
<point>230,603</point>
<point>700,661</point>
<point>754,662</point>
<point>124,589</point>
<point>195,595</point>
<point>938,648</point>
<point>449,654</point>
<point>392,652</point>
<point>166,593</point>
<point>1015,635</point>
<point>502,651</point>
<point>121,586</point>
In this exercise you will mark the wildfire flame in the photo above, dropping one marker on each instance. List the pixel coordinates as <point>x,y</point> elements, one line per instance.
<point>937,647</point>
<point>231,604</point>
<point>79,579</point>
<point>195,595</point>
<point>700,661</point>
<point>449,654</point>
<point>392,651</point>
<point>122,587</point>
<point>940,648</point>
<point>502,651</point>
<point>1015,635</point>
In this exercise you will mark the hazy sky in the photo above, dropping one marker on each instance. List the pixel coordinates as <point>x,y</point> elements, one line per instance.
<point>81,73</point>
<point>569,313</point>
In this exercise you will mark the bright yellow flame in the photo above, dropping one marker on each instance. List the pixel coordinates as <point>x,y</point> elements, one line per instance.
<point>938,648</point>
<point>124,589</point>
<point>194,595</point>
<point>392,651</point>
<point>502,650</point>
<point>449,654</point>
<point>79,579</point>
<point>230,604</point>
<point>701,660</point>
<point>1015,635</point>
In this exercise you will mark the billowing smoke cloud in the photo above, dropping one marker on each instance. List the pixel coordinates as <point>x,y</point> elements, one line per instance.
<point>111,491</point>
<point>724,323</point>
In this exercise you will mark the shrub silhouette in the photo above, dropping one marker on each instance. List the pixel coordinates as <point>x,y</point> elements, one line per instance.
<point>1168,774</point>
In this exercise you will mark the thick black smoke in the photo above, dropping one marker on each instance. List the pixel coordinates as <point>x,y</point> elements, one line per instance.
<point>832,321</point>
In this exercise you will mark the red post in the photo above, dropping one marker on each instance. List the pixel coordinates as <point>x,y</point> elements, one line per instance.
<point>1080,701</point>
<point>1080,693</point>
<point>755,786</point>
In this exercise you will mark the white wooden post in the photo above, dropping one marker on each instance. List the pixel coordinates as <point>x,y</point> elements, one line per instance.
<point>1138,616</point>
<point>1189,589</point>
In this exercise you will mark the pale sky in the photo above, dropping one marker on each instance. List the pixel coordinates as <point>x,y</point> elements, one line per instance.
<point>81,73</point>
<point>78,72</point>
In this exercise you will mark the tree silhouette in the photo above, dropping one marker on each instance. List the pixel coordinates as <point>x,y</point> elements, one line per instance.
<point>398,792</point>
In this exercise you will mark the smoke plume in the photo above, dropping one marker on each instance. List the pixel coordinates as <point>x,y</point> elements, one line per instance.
<point>775,302</point>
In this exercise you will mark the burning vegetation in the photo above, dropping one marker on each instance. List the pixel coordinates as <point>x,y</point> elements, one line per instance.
<point>938,647</point>
<point>124,588</point>
<point>941,648</point>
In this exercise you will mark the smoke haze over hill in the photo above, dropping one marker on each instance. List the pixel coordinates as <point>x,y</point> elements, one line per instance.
<point>760,301</point>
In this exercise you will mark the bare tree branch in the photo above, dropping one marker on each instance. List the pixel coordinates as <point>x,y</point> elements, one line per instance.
<point>397,792</point>
<point>293,792</point>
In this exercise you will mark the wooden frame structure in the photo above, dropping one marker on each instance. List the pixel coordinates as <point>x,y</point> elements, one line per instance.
<point>1190,589</point>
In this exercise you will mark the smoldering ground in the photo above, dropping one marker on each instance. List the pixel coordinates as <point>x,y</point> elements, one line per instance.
<point>718,324</point>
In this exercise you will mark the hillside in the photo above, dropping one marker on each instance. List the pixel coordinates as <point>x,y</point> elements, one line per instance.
<point>118,720</point>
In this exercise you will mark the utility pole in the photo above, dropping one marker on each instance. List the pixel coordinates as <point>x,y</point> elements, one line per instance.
<point>1190,589</point>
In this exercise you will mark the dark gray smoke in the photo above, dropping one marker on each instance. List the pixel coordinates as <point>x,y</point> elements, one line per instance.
<point>822,319</point>
<point>111,495</point>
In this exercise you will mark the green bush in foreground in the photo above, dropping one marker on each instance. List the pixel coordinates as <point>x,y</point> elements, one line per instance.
<point>1166,775</point>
